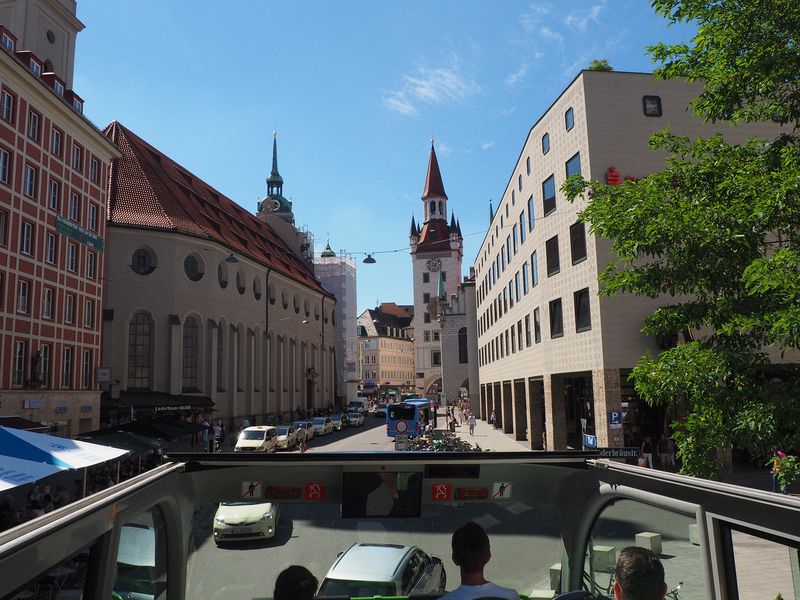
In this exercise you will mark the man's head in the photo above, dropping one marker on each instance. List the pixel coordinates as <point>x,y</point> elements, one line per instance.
<point>471,547</point>
<point>639,575</point>
<point>295,583</point>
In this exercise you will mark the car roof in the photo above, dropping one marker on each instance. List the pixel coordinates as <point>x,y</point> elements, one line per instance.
<point>370,562</point>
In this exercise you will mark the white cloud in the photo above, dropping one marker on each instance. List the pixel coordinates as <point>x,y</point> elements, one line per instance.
<point>579,20</point>
<point>549,34</point>
<point>517,76</point>
<point>431,86</point>
<point>443,149</point>
<point>531,18</point>
<point>487,145</point>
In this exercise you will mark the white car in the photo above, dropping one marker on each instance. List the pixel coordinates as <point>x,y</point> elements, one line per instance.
<point>307,425</point>
<point>287,437</point>
<point>383,570</point>
<point>322,425</point>
<point>240,521</point>
<point>340,421</point>
<point>355,419</point>
<point>258,438</point>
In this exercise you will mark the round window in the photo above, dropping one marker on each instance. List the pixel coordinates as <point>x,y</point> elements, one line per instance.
<point>222,275</point>
<point>142,262</point>
<point>191,266</point>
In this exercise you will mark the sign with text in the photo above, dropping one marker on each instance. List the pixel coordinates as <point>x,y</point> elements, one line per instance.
<point>615,419</point>
<point>282,492</point>
<point>78,233</point>
<point>619,452</point>
<point>472,493</point>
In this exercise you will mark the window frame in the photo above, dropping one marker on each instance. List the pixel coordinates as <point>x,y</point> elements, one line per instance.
<point>545,142</point>
<point>650,110</point>
<point>556,317</point>
<point>552,256</point>
<point>33,125</point>
<point>569,165</point>
<point>30,176</point>
<point>77,157</point>
<point>51,248</point>
<point>56,141</point>
<point>583,313</point>
<point>569,119</point>
<point>8,105</point>
<point>48,302</point>
<point>23,304</point>
<point>94,170</point>
<point>72,257</point>
<point>26,238</point>
<point>577,238</point>
<point>5,166</point>
<point>74,209</point>
<point>549,202</point>
<point>54,194</point>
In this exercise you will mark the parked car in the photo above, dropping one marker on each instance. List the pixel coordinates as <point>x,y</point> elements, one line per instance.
<point>356,419</point>
<point>380,410</point>
<point>309,426</point>
<point>258,438</point>
<point>322,425</point>
<point>384,570</point>
<point>340,421</point>
<point>287,437</point>
<point>243,520</point>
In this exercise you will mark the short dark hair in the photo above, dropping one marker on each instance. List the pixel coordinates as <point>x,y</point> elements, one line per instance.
<point>471,547</point>
<point>295,583</point>
<point>640,574</point>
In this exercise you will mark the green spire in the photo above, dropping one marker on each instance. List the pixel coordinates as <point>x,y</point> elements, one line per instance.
<point>327,253</point>
<point>491,213</point>
<point>275,177</point>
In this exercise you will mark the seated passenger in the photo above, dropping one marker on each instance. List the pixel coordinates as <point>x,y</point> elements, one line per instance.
<point>295,583</point>
<point>471,552</point>
<point>639,575</point>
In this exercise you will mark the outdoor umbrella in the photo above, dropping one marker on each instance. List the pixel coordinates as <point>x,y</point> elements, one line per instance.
<point>138,444</point>
<point>15,472</point>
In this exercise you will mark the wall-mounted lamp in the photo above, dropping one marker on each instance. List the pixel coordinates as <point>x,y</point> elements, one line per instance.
<point>232,258</point>
<point>369,260</point>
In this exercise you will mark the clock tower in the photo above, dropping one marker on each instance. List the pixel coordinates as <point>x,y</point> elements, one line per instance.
<point>437,249</point>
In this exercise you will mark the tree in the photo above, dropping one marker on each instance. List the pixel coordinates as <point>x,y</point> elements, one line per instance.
<point>716,236</point>
<point>600,64</point>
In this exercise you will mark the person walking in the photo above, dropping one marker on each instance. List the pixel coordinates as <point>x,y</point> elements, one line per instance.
<point>647,451</point>
<point>301,439</point>
<point>493,419</point>
<point>471,422</point>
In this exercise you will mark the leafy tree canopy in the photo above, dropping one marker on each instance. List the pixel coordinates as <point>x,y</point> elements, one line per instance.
<point>716,236</point>
<point>600,64</point>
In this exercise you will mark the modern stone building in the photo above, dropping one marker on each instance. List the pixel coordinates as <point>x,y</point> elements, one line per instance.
<point>387,350</point>
<point>337,274</point>
<point>554,357</point>
<point>53,177</point>
<point>205,305</point>
<point>437,249</point>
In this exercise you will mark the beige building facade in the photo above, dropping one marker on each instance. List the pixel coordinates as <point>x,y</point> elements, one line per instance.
<point>387,350</point>
<point>553,356</point>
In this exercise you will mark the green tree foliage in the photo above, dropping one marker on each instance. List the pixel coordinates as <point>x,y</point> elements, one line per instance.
<point>600,64</point>
<point>716,236</point>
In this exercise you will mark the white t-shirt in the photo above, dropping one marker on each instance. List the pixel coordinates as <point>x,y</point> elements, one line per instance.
<point>487,590</point>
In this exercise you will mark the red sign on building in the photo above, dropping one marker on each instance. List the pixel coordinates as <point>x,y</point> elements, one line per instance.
<point>472,493</point>
<point>441,492</point>
<point>315,491</point>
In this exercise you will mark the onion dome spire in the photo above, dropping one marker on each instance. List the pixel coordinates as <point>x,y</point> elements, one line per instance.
<point>328,253</point>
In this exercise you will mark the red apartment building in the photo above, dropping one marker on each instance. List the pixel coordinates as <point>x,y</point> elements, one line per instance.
<point>53,179</point>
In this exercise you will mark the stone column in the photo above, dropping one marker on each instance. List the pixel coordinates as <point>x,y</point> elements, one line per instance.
<point>520,409</point>
<point>555,413</point>
<point>607,393</point>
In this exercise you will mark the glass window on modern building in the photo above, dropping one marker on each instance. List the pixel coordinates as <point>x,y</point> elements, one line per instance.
<point>583,315</point>
<point>463,355</point>
<point>549,195</point>
<point>577,242</point>
<point>552,257</point>
<point>556,319</point>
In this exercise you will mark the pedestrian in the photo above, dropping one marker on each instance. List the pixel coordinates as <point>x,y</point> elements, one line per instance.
<point>301,438</point>
<point>493,419</point>
<point>471,422</point>
<point>663,452</point>
<point>647,451</point>
<point>204,427</point>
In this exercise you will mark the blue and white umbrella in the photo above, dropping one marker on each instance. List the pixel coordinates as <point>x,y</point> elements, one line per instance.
<point>15,472</point>
<point>56,451</point>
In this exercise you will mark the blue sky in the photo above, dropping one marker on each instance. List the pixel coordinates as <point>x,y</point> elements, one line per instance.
<point>355,89</point>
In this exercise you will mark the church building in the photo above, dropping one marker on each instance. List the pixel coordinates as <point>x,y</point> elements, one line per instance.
<point>436,252</point>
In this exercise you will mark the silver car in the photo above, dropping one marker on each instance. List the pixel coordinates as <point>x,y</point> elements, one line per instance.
<point>384,570</point>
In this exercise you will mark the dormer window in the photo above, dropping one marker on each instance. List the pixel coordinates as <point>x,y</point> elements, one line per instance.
<point>58,87</point>
<point>35,66</point>
<point>8,41</point>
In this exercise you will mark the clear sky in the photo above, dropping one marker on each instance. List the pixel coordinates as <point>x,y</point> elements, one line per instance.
<point>355,89</point>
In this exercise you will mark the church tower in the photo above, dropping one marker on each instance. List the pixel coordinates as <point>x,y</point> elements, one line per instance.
<point>437,249</point>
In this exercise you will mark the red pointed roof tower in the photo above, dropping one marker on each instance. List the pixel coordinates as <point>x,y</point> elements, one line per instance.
<point>435,234</point>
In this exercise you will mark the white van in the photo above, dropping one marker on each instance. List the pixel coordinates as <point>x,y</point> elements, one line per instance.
<point>259,438</point>
<point>358,405</point>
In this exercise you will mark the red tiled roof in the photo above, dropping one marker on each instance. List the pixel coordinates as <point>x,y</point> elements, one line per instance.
<point>150,190</point>
<point>434,237</point>
<point>434,188</point>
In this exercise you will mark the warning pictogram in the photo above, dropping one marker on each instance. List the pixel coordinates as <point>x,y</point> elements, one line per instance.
<point>251,489</point>
<point>441,491</point>
<point>315,491</point>
<point>501,490</point>
<point>401,426</point>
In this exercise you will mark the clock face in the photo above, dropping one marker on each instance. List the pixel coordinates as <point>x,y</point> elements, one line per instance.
<point>434,264</point>
<point>276,205</point>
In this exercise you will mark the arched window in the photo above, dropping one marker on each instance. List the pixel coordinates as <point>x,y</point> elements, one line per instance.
<point>140,351</point>
<point>433,208</point>
<point>189,381</point>
<point>440,208</point>
<point>462,345</point>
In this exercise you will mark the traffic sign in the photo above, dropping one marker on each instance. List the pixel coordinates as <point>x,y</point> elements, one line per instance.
<point>401,426</point>
<point>589,441</point>
<point>615,417</point>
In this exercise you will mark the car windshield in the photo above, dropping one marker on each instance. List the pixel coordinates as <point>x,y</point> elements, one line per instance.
<point>299,425</point>
<point>282,430</point>
<point>336,417</point>
<point>319,421</point>
<point>253,435</point>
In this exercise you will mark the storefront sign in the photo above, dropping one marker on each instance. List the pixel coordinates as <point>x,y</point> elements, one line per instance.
<point>62,410</point>
<point>86,408</point>
<point>619,452</point>
<point>170,408</point>
<point>282,492</point>
<point>33,403</point>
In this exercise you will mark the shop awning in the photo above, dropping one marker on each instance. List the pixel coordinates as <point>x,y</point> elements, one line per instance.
<point>157,402</point>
